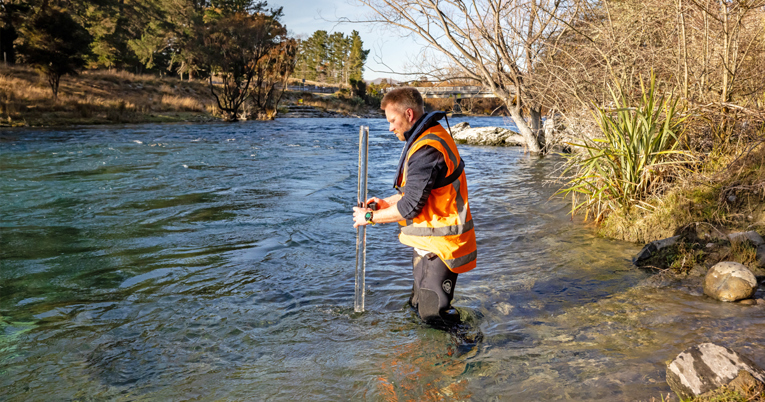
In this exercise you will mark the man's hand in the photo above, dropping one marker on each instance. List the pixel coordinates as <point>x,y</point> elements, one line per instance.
<point>358,216</point>
<point>386,211</point>
<point>381,204</point>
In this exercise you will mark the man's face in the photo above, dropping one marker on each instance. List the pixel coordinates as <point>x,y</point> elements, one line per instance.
<point>399,121</point>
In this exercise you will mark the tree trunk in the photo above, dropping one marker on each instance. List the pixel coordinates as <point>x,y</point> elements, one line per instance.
<point>535,117</point>
<point>524,129</point>
<point>684,49</point>
<point>53,80</point>
<point>726,53</point>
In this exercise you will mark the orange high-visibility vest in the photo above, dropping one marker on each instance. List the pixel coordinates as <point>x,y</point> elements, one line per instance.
<point>444,226</point>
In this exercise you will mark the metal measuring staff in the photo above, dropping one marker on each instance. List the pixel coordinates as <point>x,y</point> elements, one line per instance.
<point>361,231</point>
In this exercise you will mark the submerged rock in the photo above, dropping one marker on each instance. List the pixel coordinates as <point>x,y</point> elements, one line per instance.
<point>729,281</point>
<point>462,132</point>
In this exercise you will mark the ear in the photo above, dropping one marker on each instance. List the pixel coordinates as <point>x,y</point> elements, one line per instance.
<point>410,115</point>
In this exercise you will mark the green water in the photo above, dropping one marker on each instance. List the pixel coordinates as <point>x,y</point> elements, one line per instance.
<point>215,262</point>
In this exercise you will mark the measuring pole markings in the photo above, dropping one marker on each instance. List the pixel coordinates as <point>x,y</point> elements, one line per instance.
<point>361,231</point>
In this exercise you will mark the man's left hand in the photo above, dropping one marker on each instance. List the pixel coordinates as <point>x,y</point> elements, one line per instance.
<point>358,216</point>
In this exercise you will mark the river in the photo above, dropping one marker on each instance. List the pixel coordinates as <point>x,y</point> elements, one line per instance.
<point>215,262</point>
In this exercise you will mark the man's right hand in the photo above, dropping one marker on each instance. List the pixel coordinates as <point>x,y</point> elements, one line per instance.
<point>381,204</point>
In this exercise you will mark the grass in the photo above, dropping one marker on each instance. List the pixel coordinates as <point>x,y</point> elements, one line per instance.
<point>100,97</point>
<point>635,180</point>
<point>622,169</point>
<point>727,394</point>
<point>339,102</point>
<point>105,97</point>
<point>726,194</point>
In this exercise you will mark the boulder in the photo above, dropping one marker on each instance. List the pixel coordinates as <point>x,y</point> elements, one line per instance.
<point>463,133</point>
<point>651,248</point>
<point>460,126</point>
<point>729,281</point>
<point>751,236</point>
<point>707,367</point>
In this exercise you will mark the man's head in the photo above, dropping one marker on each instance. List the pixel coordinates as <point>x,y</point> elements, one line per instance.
<point>403,107</point>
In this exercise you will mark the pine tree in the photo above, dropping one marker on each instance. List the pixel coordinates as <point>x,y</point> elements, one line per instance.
<point>337,51</point>
<point>357,57</point>
<point>313,57</point>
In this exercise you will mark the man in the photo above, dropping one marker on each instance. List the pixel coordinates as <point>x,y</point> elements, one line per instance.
<point>431,205</point>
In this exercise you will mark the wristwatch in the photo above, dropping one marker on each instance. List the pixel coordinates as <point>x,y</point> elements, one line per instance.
<point>368,216</point>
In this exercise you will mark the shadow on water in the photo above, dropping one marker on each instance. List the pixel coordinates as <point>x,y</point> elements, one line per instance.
<point>216,262</point>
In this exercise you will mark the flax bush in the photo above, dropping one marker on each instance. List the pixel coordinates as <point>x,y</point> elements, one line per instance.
<point>620,170</point>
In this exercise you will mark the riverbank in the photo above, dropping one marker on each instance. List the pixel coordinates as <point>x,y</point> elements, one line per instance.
<point>702,209</point>
<point>114,97</point>
<point>100,97</point>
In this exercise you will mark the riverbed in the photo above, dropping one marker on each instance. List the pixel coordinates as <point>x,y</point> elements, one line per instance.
<point>216,262</point>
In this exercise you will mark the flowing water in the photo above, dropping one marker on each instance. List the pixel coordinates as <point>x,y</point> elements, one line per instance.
<point>215,262</point>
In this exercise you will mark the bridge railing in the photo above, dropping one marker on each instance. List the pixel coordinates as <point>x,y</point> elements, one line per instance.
<point>456,90</point>
<point>310,88</point>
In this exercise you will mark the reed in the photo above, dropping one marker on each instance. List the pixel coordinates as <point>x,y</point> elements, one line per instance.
<point>622,169</point>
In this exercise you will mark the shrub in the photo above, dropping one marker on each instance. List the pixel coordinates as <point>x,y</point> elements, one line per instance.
<point>621,169</point>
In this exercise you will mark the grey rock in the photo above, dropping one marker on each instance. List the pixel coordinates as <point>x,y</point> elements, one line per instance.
<point>707,232</point>
<point>729,281</point>
<point>462,132</point>
<point>698,270</point>
<point>659,281</point>
<point>761,255</point>
<point>654,246</point>
<point>706,367</point>
<point>751,235</point>
<point>460,126</point>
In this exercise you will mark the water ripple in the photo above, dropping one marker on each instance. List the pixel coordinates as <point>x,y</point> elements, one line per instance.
<point>216,262</point>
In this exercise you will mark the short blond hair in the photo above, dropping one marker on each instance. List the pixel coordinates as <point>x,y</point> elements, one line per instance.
<point>404,98</point>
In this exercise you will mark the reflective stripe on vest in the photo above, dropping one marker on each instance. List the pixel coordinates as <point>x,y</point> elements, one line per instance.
<point>451,237</point>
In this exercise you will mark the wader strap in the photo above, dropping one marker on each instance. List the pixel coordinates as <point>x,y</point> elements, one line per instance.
<point>452,177</point>
<point>428,120</point>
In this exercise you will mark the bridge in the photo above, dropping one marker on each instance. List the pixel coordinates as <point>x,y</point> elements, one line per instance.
<point>454,92</point>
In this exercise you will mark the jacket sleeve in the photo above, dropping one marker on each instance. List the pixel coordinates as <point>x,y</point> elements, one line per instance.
<point>425,166</point>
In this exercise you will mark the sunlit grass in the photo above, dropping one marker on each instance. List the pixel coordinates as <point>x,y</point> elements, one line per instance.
<point>99,97</point>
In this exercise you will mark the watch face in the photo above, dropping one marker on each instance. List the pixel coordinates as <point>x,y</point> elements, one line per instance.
<point>368,216</point>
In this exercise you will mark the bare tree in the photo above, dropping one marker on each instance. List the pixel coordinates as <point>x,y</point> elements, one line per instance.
<point>740,29</point>
<point>497,43</point>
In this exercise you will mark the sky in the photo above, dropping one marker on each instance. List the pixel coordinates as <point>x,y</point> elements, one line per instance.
<point>305,17</point>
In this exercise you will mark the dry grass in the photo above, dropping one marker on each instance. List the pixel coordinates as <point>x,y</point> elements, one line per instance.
<point>726,192</point>
<point>98,97</point>
<point>338,102</point>
<point>183,103</point>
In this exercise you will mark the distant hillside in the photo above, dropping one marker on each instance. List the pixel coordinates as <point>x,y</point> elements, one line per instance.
<point>104,97</point>
<point>379,80</point>
<point>100,97</point>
